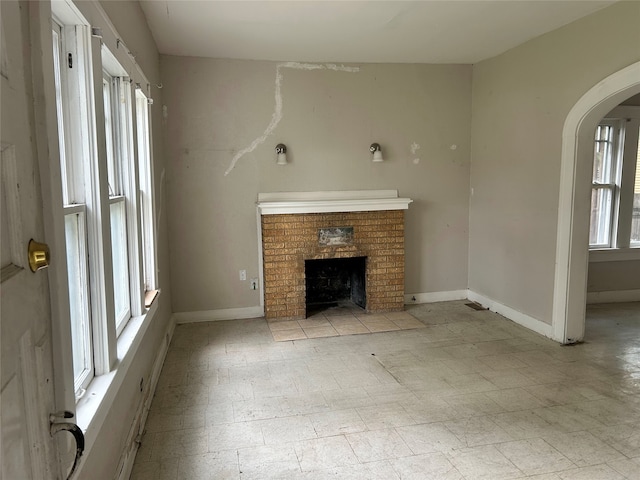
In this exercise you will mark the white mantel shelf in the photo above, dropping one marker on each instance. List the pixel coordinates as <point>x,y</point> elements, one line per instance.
<point>330,202</point>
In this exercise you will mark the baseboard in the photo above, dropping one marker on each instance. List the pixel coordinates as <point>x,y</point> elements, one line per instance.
<point>518,317</point>
<point>137,428</point>
<point>616,296</point>
<point>217,315</point>
<point>431,297</point>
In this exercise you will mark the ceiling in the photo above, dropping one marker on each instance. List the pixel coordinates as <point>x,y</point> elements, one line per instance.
<point>445,31</point>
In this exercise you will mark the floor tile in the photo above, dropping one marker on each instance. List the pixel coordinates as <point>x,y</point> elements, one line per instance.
<point>624,438</point>
<point>433,466</point>
<point>582,448</point>
<point>630,468</point>
<point>290,334</point>
<point>514,399</point>
<point>276,326</point>
<point>384,416</point>
<point>179,443</point>
<point>535,456</point>
<point>476,431</point>
<point>378,445</point>
<point>598,472</point>
<point>469,395</point>
<point>323,453</point>
<point>234,435</point>
<point>484,463</point>
<point>352,328</point>
<point>209,465</point>
<point>258,457</point>
<point>318,321</point>
<point>337,422</point>
<point>429,438</point>
<point>321,331</point>
<point>287,429</point>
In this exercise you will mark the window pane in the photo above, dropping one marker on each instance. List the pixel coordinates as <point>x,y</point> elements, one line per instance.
<point>602,160</point>
<point>146,197</point>
<point>58,86</point>
<point>635,219</point>
<point>120,262</point>
<point>600,231</point>
<point>78,299</point>
<point>109,130</point>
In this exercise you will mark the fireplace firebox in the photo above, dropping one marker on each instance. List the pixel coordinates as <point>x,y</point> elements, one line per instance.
<point>331,281</point>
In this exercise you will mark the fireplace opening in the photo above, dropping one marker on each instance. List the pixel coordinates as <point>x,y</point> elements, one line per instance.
<point>335,282</point>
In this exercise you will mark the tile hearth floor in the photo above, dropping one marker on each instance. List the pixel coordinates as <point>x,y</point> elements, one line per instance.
<point>469,396</point>
<point>343,319</point>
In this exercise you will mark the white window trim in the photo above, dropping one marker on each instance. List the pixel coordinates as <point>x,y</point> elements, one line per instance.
<point>614,255</point>
<point>93,408</point>
<point>147,190</point>
<point>621,249</point>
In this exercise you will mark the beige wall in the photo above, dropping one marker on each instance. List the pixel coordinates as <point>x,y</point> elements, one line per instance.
<point>611,276</point>
<point>215,108</point>
<point>520,101</point>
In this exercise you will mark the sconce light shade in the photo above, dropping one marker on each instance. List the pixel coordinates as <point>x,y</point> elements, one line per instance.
<point>281,152</point>
<point>377,152</point>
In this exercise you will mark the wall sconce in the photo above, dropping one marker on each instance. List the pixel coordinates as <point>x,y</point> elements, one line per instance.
<point>377,152</point>
<point>281,151</point>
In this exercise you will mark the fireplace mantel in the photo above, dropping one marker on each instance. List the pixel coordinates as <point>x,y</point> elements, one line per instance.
<point>330,202</point>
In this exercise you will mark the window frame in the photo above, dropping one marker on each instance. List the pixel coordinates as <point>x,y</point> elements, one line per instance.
<point>626,122</point>
<point>82,141</point>
<point>147,191</point>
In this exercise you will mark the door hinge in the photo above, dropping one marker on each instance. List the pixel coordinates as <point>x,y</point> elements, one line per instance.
<point>70,57</point>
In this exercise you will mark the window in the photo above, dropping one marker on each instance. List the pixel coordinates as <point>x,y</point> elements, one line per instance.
<point>635,217</point>
<point>615,193</point>
<point>145,167</point>
<point>107,197</point>
<point>117,156</point>
<point>74,208</point>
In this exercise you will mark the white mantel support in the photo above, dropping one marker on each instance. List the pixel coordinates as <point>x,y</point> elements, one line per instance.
<point>330,202</point>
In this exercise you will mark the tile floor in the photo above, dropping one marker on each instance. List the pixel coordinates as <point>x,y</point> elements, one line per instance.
<point>470,396</point>
<point>342,319</point>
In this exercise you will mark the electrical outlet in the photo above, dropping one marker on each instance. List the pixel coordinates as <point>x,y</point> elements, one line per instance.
<point>243,275</point>
<point>254,284</point>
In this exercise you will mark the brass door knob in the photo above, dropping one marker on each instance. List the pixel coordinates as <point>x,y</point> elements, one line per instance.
<point>38,255</point>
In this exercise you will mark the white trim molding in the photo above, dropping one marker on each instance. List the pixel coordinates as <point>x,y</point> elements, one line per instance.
<point>432,297</point>
<point>614,296</point>
<point>614,255</point>
<point>520,318</point>
<point>219,315</point>
<point>572,249</point>
<point>329,202</point>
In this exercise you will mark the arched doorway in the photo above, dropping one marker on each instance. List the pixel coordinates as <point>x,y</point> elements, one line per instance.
<point>569,299</point>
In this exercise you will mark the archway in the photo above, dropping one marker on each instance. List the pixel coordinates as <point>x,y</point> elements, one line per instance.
<point>572,252</point>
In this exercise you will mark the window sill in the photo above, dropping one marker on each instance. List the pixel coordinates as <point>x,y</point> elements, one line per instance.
<point>614,255</point>
<point>93,407</point>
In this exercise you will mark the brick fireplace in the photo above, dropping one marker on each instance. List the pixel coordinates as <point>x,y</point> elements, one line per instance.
<point>294,227</point>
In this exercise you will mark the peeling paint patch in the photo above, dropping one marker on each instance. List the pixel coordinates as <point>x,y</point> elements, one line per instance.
<point>277,113</point>
<point>453,147</point>
<point>414,148</point>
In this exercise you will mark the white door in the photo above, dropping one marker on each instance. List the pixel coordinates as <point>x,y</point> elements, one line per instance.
<point>26,397</point>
